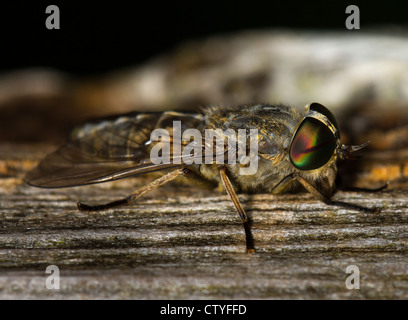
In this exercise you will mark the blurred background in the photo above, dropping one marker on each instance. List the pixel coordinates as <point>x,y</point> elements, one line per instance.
<point>110,58</point>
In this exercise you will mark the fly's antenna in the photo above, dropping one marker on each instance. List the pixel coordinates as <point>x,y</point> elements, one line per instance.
<point>346,152</point>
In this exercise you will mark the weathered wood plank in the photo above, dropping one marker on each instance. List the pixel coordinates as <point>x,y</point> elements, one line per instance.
<point>184,242</point>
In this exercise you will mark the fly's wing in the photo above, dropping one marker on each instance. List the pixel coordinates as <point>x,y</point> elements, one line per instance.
<point>110,150</point>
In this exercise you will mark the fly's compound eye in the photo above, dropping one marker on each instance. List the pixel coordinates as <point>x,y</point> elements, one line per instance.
<point>313,145</point>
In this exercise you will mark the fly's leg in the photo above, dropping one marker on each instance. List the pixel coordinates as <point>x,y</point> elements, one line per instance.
<point>282,185</point>
<point>230,190</point>
<point>137,194</point>
<point>309,187</point>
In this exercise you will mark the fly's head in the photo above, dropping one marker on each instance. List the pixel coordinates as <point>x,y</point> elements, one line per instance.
<point>315,147</point>
<point>316,140</point>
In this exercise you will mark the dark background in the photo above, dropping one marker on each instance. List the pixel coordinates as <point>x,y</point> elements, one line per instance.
<point>99,37</point>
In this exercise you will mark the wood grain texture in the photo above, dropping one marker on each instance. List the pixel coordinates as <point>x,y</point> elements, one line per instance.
<point>183,242</point>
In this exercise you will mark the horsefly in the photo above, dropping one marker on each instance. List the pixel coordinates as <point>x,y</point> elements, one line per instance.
<point>258,148</point>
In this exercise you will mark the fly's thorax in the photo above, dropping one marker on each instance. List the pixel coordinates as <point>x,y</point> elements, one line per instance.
<point>268,118</point>
<point>274,126</point>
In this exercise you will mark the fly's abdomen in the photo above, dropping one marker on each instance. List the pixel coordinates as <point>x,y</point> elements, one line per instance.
<point>128,136</point>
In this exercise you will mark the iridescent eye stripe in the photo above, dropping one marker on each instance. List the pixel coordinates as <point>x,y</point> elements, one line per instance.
<point>305,143</point>
<point>323,144</point>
